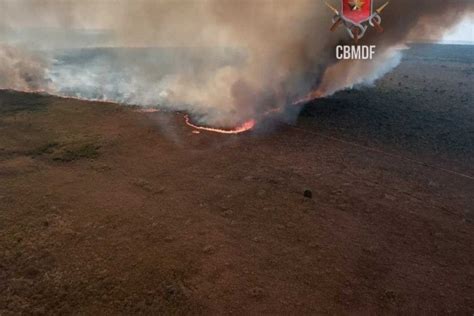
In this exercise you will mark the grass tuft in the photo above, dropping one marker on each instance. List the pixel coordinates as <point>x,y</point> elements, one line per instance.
<point>77,151</point>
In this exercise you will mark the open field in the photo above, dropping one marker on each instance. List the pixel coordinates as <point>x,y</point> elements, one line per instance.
<point>104,210</point>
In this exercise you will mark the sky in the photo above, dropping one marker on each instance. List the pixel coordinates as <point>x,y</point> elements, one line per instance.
<point>19,20</point>
<point>462,33</point>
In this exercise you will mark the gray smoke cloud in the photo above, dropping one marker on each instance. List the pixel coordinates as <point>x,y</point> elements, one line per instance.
<point>225,61</point>
<point>21,70</point>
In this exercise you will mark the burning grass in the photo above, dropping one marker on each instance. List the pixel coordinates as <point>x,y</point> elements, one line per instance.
<point>244,127</point>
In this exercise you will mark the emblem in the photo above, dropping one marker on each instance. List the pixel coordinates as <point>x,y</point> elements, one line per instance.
<point>356,16</point>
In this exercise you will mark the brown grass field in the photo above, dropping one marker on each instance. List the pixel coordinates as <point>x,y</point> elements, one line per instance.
<point>105,210</point>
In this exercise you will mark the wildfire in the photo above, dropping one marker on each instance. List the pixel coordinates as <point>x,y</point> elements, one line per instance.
<point>246,126</point>
<point>251,123</point>
<point>316,94</point>
<point>237,130</point>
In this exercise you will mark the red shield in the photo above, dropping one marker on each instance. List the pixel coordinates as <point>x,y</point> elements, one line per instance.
<point>356,11</point>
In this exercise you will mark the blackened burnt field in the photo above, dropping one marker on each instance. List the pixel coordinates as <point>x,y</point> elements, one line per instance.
<point>107,210</point>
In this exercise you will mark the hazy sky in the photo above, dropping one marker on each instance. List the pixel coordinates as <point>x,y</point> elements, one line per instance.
<point>88,15</point>
<point>464,32</point>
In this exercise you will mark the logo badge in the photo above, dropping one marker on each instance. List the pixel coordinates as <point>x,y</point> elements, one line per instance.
<point>356,11</point>
<point>356,16</point>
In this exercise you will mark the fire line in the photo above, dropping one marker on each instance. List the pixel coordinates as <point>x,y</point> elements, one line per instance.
<point>246,126</point>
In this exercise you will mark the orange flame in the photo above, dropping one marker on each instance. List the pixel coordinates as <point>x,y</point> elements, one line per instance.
<point>239,129</point>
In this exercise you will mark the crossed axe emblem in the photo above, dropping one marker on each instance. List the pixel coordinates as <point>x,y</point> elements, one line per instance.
<point>357,30</point>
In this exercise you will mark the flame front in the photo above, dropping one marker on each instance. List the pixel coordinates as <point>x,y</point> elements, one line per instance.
<point>248,125</point>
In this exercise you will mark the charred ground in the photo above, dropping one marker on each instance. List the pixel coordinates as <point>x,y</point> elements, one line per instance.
<point>106,210</point>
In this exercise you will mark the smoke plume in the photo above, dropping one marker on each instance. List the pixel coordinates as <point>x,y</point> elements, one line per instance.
<point>224,61</point>
<point>21,70</point>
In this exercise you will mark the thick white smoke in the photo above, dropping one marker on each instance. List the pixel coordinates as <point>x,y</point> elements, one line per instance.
<point>225,61</point>
<point>21,70</point>
<point>361,72</point>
